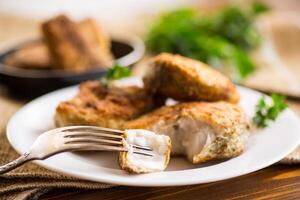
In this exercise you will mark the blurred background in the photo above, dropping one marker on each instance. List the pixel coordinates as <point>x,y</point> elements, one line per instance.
<point>126,15</point>
<point>258,40</point>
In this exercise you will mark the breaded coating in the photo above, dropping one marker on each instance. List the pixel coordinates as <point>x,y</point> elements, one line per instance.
<point>71,48</point>
<point>202,131</point>
<point>106,107</point>
<point>31,56</point>
<point>186,79</point>
<point>97,37</point>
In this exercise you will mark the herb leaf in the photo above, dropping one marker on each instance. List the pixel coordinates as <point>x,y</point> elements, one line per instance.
<point>266,112</point>
<point>116,72</point>
<point>258,7</point>
<point>221,40</point>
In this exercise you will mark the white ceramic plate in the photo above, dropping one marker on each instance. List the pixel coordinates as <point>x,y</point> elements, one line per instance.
<point>263,148</point>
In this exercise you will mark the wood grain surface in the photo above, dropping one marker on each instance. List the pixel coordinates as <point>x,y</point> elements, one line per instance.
<point>275,182</point>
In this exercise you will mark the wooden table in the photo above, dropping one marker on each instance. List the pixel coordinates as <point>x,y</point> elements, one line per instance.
<point>275,182</point>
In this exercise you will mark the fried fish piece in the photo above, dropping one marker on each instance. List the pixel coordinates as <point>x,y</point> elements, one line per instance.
<point>31,56</point>
<point>98,105</point>
<point>71,48</point>
<point>186,79</point>
<point>201,131</point>
<point>133,162</point>
<point>98,38</point>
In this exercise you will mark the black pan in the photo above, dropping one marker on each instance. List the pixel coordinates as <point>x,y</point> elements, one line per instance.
<point>31,82</point>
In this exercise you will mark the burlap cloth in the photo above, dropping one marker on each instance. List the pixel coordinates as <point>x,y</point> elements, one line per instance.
<point>30,180</point>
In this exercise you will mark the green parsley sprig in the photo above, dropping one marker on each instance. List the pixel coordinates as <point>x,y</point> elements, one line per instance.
<point>258,7</point>
<point>221,39</point>
<point>266,112</point>
<point>116,72</point>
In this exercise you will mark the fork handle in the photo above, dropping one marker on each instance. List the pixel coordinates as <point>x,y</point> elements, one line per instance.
<point>15,163</point>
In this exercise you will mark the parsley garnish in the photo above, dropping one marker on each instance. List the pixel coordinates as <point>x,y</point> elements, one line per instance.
<point>116,72</point>
<point>222,40</point>
<point>258,7</point>
<point>266,112</point>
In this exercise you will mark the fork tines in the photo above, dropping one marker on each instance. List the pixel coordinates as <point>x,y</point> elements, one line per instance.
<point>92,128</point>
<point>98,138</point>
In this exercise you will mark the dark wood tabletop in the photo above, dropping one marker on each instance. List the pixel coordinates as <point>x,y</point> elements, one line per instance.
<point>275,182</point>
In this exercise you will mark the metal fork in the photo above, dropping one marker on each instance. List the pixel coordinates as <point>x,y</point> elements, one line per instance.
<point>75,138</point>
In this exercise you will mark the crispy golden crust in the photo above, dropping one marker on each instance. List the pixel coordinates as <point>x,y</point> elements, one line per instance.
<point>228,121</point>
<point>96,36</point>
<point>99,106</point>
<point>31,56</point>
<point>123,161</point>
<point>73,46</point>
<point>221,114</point>
<point>187,79</point>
